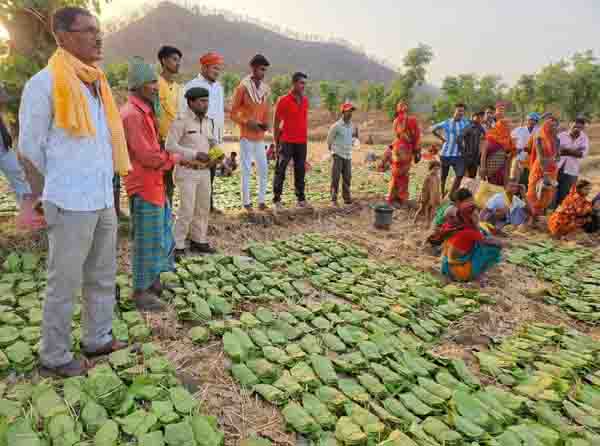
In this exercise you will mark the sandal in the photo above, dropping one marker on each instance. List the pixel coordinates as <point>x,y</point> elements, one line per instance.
<point>77,367</point>
<point>107,349</point>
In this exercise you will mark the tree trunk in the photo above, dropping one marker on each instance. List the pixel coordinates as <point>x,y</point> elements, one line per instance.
<point>30,36</point>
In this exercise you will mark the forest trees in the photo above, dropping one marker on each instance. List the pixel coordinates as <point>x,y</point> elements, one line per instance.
<point>31,41</point>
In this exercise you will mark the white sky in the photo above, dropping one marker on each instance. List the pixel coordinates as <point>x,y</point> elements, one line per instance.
<point>507,37</point>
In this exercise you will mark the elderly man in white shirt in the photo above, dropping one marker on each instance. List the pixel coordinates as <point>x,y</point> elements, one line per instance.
<point>211,65</point>
<point>574,147</point>
<point>520,136</point>
<point>72,142</point>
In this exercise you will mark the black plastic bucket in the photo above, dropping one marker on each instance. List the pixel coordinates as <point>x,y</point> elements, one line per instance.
<point>383,216</point>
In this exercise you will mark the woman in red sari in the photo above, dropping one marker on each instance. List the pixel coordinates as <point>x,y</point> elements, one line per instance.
<point>497,153</point>
<point>406,145</point>
<point>574,212</point>
<point>543,171</point>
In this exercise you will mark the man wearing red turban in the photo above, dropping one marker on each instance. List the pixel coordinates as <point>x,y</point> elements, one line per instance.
<point>211,66</point>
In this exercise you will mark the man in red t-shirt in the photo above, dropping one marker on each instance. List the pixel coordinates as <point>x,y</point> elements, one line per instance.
<point>291,134</point>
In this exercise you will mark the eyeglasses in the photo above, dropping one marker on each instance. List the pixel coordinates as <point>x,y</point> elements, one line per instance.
<point>91,31</point>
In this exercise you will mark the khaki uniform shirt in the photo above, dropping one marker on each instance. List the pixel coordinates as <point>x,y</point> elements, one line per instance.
<point>189,136</point>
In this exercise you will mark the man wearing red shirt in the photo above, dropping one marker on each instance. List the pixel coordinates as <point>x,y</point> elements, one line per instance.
<point>153,243</point>
<point>291,134</point>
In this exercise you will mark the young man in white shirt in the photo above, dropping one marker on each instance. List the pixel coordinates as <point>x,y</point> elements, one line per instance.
<point>520,136</point>
<point>574,147</point>
<point>211,67</point>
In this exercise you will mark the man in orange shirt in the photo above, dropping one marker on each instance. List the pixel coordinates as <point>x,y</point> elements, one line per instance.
<point>251,111</point>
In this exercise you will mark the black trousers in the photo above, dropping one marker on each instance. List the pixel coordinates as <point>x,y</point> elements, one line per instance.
<point>565,183</point>
<point>341,167</point>
<point>290,151</point>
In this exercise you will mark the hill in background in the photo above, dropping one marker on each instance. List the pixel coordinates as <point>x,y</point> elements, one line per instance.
<point>195,34</point>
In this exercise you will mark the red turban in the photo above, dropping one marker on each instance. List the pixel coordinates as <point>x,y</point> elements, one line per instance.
<point>212,59</point>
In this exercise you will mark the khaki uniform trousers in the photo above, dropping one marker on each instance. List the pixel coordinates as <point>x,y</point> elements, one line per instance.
<point>194,205</point>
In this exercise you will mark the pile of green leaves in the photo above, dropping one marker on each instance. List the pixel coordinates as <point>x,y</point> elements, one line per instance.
<point>22,290</point>
<point>135,397</point>
<point>579,296</point>
<point>573,273</point>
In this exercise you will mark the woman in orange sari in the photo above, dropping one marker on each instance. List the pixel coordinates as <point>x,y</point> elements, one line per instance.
<point>497,153</point>
<point>574,212</point>
<point>543,171</point>
<point>404,149</point>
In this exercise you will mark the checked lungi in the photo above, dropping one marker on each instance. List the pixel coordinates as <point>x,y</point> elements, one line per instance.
<point>153,242</point>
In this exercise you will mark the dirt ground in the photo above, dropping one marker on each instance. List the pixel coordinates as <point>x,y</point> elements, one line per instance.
<point>204,370</point>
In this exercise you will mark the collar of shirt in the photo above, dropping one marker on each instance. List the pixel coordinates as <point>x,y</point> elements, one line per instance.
<point>573,143</point>
<point>147,111</point>
<point>141,104</point>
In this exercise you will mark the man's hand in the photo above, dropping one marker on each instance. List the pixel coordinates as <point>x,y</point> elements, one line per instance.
<point>215,163</point>
<point>31,215</point>
<point>203,157</point>
<point>254,125</point>
<point>482,173</point>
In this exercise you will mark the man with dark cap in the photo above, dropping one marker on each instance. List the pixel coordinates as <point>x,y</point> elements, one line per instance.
<point>9,164</point>
<point>251,110</point>
<point>190,138</point>
<point>291,135</point>
<point>151,229</point>
<point>169,92</point>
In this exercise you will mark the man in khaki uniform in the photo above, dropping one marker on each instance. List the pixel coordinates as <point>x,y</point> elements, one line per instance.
<point>191,136</point>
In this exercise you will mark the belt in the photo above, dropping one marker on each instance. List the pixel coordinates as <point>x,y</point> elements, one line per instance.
<point>193,165</point>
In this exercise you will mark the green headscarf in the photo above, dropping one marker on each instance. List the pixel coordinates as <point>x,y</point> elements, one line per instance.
<point>140,73</point>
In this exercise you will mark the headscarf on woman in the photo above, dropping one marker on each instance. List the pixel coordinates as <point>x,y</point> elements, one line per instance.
<point>540,196</point>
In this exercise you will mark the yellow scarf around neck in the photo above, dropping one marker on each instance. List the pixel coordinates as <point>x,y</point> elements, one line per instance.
<point>71,111</point>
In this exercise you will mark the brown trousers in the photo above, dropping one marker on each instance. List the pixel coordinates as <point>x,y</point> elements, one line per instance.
<point>341,167</point>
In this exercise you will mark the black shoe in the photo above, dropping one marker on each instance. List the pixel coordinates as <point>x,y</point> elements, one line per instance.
<point>202,248</point>
<point>179,254</point>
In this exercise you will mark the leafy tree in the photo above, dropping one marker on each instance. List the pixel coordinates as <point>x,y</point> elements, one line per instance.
<point>3,47</point>
<point>476,93</point>
<point>583,88</point>
<point>31,41</point>
<point>280,85</point>
<point>415,68</point>
<point>347,91</point>
<point>363,96</point>
<point>329,93</point>
<point>377,96</point>
<point>523,93</point>
<point>116,74</point>
<point>230,81</point>
<point>552,85</point>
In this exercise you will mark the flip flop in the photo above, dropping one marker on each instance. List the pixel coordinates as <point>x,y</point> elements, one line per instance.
<point>77,367</point>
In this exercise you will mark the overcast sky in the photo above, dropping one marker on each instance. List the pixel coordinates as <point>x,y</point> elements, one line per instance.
<point>507,37</point>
